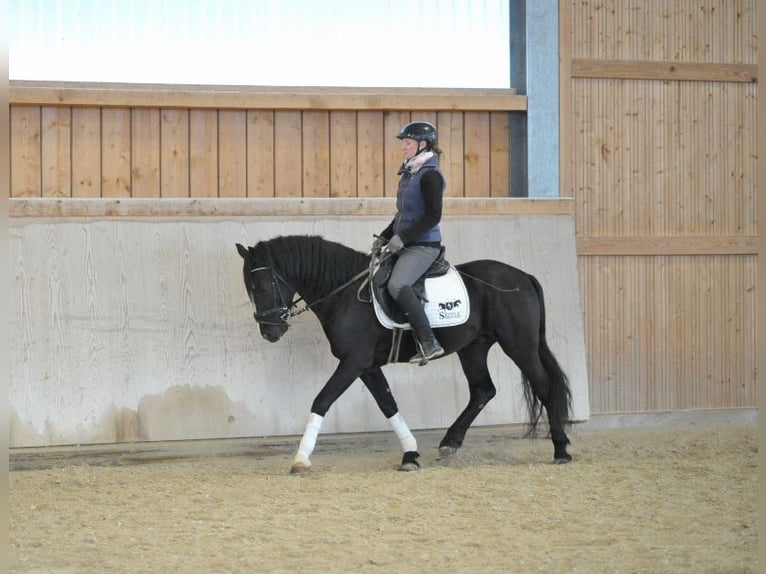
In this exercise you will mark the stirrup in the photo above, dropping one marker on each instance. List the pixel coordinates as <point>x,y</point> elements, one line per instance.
<point>421,358</point>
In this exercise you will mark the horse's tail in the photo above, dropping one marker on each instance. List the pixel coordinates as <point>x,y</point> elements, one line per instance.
<point>559,397</point>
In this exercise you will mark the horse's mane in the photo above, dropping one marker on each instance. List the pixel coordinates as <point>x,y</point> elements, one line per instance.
<point>312,261</point>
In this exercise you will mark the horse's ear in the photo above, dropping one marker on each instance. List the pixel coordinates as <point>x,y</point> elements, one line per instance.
<point>242,250</point>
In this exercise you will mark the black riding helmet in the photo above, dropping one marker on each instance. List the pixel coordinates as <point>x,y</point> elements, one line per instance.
<point>420,132</point>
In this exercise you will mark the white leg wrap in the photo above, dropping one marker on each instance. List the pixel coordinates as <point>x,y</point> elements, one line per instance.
<point>309,439</point>
<point>402,431</point>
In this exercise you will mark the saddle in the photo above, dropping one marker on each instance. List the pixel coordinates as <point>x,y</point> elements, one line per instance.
<point>379,284</point>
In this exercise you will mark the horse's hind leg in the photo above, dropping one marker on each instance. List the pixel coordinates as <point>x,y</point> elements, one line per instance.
<point>473,359</point>
<point>549,387</point>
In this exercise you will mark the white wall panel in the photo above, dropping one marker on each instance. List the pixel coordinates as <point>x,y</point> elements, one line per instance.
<point>132,330</point>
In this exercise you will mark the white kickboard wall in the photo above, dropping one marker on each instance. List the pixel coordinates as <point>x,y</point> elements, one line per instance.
<point>129,330</point>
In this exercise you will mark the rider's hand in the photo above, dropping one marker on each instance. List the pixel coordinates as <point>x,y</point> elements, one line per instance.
<point>377,245</point>
<point>395,244</point>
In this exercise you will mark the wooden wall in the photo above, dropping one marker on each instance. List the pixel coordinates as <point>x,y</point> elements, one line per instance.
<point>119,141</point>
<point>659,152</point>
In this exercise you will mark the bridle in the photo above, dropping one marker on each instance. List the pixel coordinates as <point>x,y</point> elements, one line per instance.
<point>283,310</point>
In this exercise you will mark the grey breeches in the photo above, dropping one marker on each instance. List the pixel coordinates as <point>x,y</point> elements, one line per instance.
<point>412,263</point>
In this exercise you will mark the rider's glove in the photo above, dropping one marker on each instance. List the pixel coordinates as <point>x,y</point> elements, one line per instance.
<point>395,244</point>
<point>377,245</point>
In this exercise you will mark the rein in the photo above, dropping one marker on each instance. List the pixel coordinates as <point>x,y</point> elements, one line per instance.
<point>335,291</point>
<point>284,310</point>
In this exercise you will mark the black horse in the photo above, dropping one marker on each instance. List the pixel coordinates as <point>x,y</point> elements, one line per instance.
<point>506,307</point>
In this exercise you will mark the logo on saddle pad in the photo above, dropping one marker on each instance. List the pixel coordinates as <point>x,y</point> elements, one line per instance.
<point>447,302</point>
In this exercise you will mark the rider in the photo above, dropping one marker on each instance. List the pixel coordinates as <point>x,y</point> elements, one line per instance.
<point>414,232</point>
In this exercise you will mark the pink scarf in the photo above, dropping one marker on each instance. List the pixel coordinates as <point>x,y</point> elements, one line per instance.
<point>413,164</point>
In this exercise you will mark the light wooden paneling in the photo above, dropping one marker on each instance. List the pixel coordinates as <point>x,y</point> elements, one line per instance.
<point>86,152</point>
<point>315,139</point>
<point>499,152</point>
<point>343,154</point>
<point>115,161</point>
<point>260,153</point>
<point>56,150</point>
<point>477,144</point>
<point>288,154</point>
<point>94,94</point>
<point>145,152</point>
<point>203,153</point>
<point>195,208</point>
<point>232,148</point>
<point>370,171</point>
<point>660,153</point>
<point>669,332</point>
<point>26,160</point>
<point>174,153</point>
<point>664,159</point>
<point>142,151</point>
<point>637,70</point>
<point>696,31</point>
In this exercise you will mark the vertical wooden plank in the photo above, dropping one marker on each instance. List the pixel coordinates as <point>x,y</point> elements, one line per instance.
<point>370,151</point>
<point>500,154</point>
<point>288,149</point>
<point>57,152</point>
<point>316,154</point>
<point>232,146</point>
<point>86,152</point>
<point>451,140</point>
<point>343,150</point>
<point>260,153</point>
<point>174,153</point>
<point>749,313</point>
<point>392,150</point>
<point>477,154</point>
<point>115,149</point>
<point>145,152</point>
<point>203,153</point>
<point>26,158</point>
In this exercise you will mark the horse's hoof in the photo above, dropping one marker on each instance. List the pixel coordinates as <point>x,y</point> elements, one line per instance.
<point>300,468</point>
<point>446,452</point>
<point>410,461</point>
<point>562,459</point>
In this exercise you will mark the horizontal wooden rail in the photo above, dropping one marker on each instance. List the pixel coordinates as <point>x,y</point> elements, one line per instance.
<point>266,207</point>
<point>663,70</point>
<point>707,245</point>
<point>261,97</point>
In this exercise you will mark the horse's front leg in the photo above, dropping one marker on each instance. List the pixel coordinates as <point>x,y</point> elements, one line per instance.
<point>376,383</point>
<point>341,379</point>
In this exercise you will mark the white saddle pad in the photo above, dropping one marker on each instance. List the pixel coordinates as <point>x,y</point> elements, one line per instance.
<point>447,305</point>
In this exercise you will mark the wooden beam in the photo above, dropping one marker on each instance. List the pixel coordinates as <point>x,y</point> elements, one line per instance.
<point>708,245</point>
<point>663,70</point>
<point>22,208</point>
<point>261,97</point>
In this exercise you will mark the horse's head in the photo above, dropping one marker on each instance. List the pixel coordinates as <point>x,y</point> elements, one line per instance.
<point>269,293</point>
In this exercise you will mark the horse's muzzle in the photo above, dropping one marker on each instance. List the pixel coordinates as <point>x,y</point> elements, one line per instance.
<point>273,333</point>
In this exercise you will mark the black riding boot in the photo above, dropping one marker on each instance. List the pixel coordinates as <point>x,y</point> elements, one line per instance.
<point>428,347</point>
